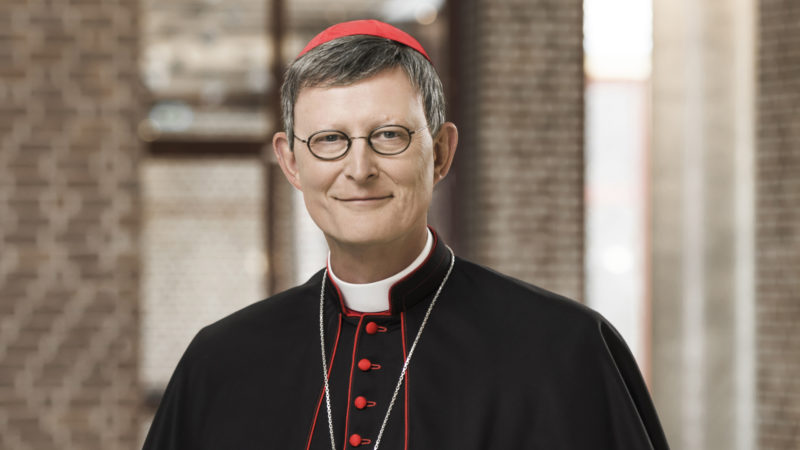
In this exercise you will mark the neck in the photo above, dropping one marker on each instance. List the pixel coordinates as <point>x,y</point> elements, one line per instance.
<point>367,263</point>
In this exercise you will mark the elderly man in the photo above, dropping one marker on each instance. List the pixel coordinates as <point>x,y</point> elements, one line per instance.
<point>397,344</point>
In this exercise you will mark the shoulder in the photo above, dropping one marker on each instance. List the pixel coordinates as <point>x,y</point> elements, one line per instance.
<point>535,345</point>
<point>508,317</point>
<point>505,311</point>
<point>504,294</point>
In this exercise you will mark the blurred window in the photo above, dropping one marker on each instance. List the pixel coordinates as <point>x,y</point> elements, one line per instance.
<point>618,45</point>
<point>202,234</point>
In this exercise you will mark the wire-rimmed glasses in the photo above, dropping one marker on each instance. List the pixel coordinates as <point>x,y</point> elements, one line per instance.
<point>388,140</point>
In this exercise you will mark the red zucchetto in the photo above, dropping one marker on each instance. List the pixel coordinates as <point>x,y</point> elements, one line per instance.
<point>365,27</point>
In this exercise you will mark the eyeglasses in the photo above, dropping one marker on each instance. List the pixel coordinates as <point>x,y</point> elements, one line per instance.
<point>329,145</point>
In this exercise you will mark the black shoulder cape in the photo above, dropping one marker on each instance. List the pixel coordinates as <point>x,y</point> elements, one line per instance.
<point>501,364</point>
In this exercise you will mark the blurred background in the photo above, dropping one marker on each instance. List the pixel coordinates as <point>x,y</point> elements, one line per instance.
<point>640,156</point>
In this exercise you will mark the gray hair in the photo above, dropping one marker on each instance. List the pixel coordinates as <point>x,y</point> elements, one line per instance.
<point>350,59</point>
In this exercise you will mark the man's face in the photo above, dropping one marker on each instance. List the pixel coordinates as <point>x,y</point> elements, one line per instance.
<point>364,198</point>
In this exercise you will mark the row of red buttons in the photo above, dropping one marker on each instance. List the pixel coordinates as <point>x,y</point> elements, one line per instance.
<point>361,402</point>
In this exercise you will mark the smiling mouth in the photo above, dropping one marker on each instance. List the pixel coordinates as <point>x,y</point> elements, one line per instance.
<point>364,199</point>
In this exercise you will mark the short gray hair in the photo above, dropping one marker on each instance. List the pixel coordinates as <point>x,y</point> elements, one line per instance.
<point>350,59</point>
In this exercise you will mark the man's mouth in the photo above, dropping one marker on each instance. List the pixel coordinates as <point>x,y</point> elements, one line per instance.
<point>366,198</point>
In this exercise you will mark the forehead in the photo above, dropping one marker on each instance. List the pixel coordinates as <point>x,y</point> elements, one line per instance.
<point>388,95</point>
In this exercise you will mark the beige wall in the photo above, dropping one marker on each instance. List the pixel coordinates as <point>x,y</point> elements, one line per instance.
<point>702,224</point>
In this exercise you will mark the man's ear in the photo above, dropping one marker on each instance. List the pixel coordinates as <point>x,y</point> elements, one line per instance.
<point>444,149</point>
<point>286,158</point>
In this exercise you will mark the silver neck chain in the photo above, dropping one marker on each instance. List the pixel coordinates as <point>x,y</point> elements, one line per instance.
<point>405,364</point>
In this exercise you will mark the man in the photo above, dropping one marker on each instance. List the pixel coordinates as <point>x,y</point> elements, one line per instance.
<point>397,344</point>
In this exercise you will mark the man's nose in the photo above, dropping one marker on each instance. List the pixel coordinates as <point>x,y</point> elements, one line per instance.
<point>361,160</point>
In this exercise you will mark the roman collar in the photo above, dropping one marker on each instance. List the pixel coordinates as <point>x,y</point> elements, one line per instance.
<point>409,291</point>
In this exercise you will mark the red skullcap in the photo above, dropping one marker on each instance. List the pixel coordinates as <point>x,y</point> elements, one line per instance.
<point>366,27</point>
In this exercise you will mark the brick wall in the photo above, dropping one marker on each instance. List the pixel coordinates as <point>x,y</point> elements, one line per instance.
<point>68,224</point>
<point>519,168</point>
<point>778,225</point>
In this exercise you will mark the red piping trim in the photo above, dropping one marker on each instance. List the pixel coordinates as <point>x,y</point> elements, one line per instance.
<point>431,274</point>
<point>427,258</point>
<point>338,291</point>
<point>350,385</point>
<point>424,263</point>
<point>405,387</point>
<point>322,391</point>
<point>350,313</point>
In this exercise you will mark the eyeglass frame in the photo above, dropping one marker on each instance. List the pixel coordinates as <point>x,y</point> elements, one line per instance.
<point>350,140</point>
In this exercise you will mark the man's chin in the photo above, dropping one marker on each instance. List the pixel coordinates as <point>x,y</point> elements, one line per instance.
<point>355,239</point>
<point>364,236</point>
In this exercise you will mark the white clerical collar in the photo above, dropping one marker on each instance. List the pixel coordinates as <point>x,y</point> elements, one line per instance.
<point>374,297</point>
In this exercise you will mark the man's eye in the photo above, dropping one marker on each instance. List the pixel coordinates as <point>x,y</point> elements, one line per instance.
<point>328,138</point>
<point>390,134</point>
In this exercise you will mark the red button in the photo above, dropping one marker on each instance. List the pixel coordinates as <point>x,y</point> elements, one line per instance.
<point>355,440</point>
<point>372,328</point>
<point>364,365</point>
<point>361,402</point>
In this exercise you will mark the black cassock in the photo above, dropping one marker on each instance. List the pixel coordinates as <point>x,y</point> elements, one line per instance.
<point>501,364</point>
